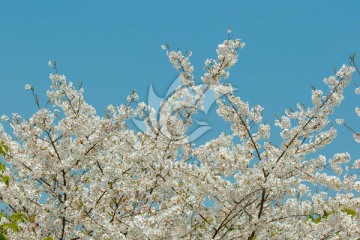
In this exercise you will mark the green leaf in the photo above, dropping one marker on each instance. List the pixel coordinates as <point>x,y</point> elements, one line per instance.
<point>32,218</point>
<point>6,180</point>
<point>3,148</point>
<point>351,212</point>
<point>18,217</point>
<point>2,167</point>
<point>315,218</point>
<point>3,237</point>
<point>326,214</point>
<point>13,226</point>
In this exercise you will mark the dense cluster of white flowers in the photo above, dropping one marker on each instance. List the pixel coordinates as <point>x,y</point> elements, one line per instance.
<point>77,175</point>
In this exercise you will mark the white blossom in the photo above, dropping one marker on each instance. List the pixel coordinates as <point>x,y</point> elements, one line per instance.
<point>76,174</point>
<point>4,118</point>
<point>357,137</point>
<point>357,90</point>
<point>357,111</point>
<point>339,121</point>
<point>28,87</point>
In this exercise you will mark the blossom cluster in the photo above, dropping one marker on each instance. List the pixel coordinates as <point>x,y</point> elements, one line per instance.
<point>78,175</point>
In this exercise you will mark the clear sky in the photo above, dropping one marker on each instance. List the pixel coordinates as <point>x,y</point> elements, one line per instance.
<point>114,47</point>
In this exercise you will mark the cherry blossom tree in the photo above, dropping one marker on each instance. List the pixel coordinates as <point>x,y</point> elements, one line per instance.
<point>73,174</point>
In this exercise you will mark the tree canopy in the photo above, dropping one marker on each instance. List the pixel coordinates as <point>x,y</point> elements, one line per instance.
<point>70,173</point>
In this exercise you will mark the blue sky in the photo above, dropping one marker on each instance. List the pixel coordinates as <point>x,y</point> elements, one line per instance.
<point>114,47</point>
